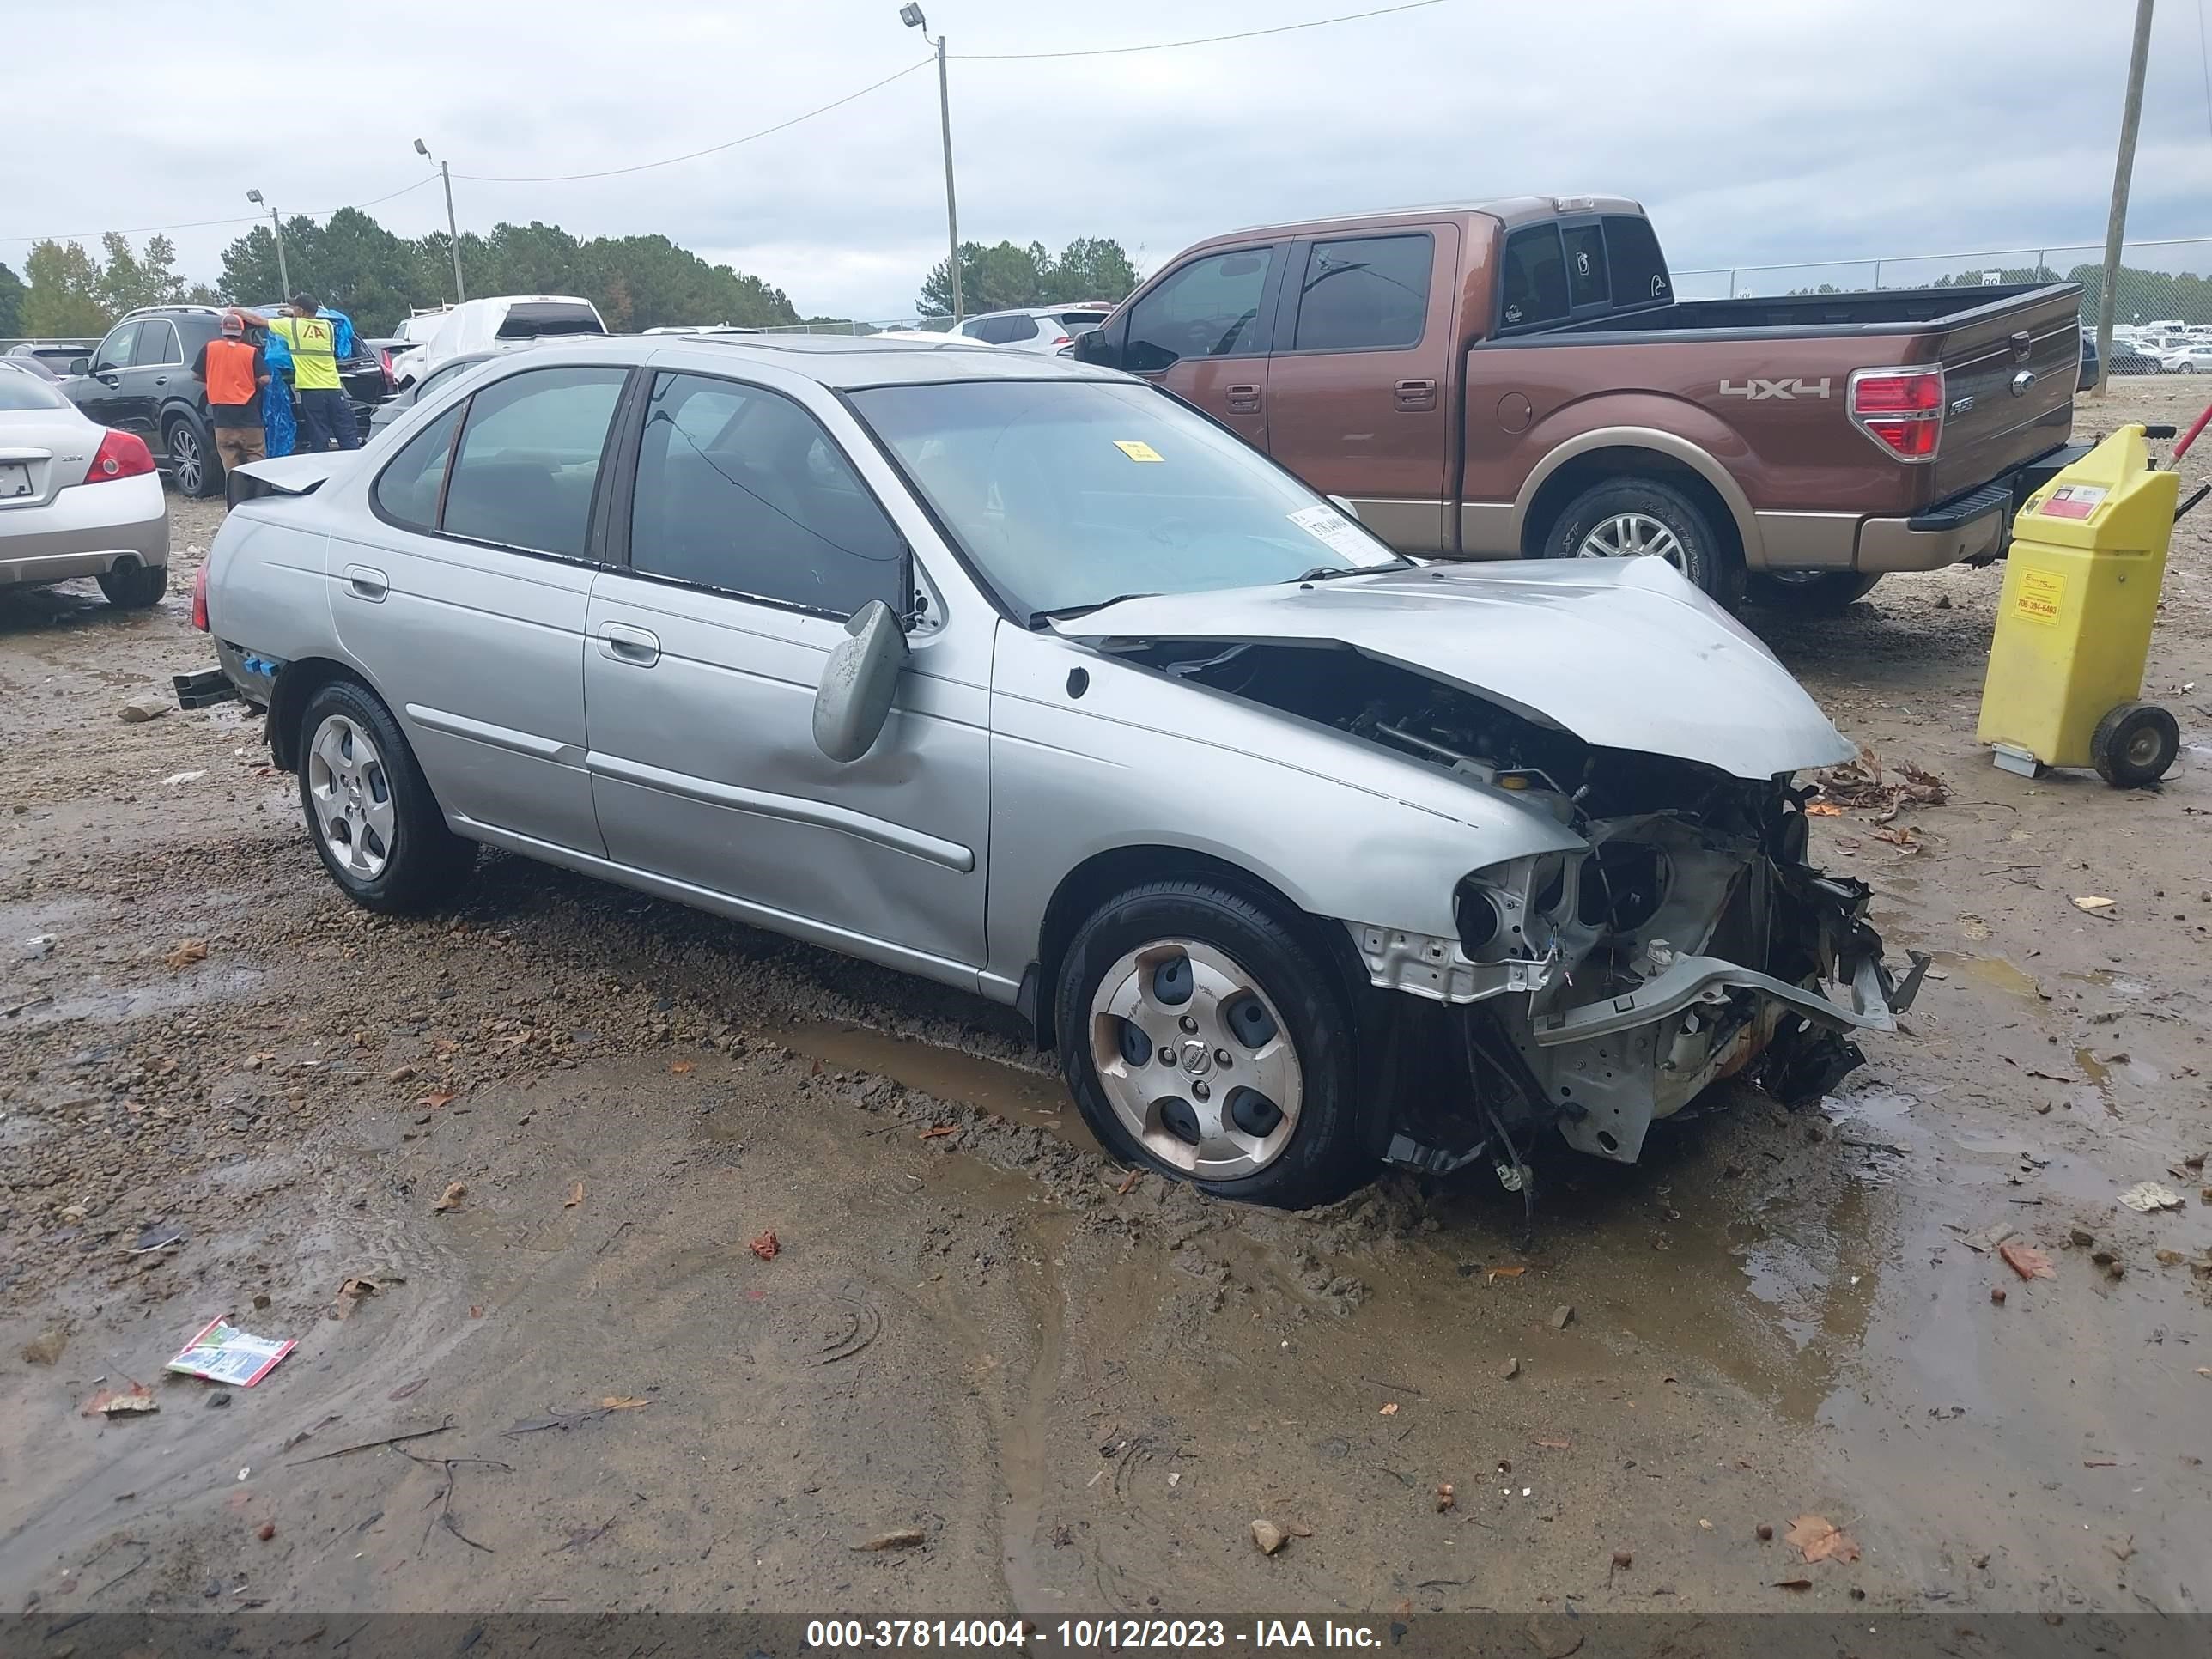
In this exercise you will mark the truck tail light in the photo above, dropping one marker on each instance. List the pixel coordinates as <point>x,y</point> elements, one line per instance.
<point>199,600</point>
<point>1900,409</point>
<point>119,455</point>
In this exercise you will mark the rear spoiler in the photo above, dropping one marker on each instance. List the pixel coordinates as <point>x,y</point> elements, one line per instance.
<point>287,475</point>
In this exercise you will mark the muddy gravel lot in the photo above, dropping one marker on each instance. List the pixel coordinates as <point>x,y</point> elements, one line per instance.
<point>510,1178</point>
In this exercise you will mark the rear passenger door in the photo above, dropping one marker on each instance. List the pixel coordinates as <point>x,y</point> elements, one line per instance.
<point>1359,381</point>
<point>752,536</point>
<point>465,604</point>
<point>1203,332</point>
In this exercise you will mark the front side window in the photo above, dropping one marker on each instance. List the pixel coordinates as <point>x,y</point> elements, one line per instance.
<point>406,491</point>
<point>529,459</point>
<point>1535,278</point>
<point>740,489</point>
<point>1365,294</point>
<point>1209,309</point>
<point>157,344</point>
<point>1067,494</point>
<point>115,351</point>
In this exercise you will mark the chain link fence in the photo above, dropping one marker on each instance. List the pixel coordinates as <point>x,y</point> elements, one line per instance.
<point>854,326</point>
<point>2159,280</point>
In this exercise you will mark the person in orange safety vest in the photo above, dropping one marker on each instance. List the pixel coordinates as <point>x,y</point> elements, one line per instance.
<point>235,373</point>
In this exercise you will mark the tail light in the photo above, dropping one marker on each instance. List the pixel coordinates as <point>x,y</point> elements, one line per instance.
<point>119,455</point>
<point>383,359</point>
<point>1900,409</point>
<point>1060,342</point>
<point>199,600</point>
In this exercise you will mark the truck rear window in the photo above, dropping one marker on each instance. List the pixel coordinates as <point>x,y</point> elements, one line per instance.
<point>1535,278</point>
<point>1586,265</point>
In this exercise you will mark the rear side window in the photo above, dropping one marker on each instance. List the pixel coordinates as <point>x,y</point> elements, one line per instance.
<point>406,491</point>
<point>535,319</point>
<point>1365,294</point>
<point>1535,278</point>
<point>739,489</point>
<point>1586,269</point>
<point>1209,309</point>
<point>529,459</point>
<point>1639,270</point>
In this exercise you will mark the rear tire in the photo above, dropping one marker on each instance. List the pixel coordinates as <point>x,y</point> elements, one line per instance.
<point>370,812</point>
<point>136,587</point>
<point>1203,971</point>
<point>192,461</point>
<point>1631,516</point>
<point>2134,744</point>
<point>1810,592</point>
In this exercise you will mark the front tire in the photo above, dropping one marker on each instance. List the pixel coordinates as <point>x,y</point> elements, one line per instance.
<point>1811,593</point>
<point>136,587</point>
<point>1203,1039</point>
<point>192,462</point>
<point>1644,518</point>
<point>369,809</point>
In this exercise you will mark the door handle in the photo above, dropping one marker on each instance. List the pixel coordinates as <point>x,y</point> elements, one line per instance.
<point>160,380</point>
<point>109,380</point>
<point>1244,400</point>
<point>365,584</point>
<point>620,642</point>
<point>1415,397</point>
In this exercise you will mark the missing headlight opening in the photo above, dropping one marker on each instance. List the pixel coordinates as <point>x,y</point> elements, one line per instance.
<point>1683,941</point>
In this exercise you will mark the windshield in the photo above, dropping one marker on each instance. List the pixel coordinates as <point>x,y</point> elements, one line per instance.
<point>24,390</point>
<point>1071,493</point>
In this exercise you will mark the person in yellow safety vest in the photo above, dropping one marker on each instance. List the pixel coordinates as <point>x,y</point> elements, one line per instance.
<point>325,412</point>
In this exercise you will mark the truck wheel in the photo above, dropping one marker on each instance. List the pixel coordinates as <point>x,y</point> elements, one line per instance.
<point>2134,744</point>
<point>192,460</point>
<point>1810,592</point>
<point>1629,518</point>
<point>1202,1038</point>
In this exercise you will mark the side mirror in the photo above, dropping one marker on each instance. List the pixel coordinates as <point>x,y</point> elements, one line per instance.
<point>1096,346</point>
<point>854,698</point>
<point>79,366</point>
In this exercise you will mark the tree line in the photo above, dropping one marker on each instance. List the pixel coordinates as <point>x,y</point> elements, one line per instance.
<point>354,263</point>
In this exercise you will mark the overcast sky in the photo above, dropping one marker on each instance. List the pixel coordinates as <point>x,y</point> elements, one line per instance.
<point>1753,130</point>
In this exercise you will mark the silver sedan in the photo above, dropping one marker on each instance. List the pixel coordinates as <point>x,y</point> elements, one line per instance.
<point>1020,675</point>
<point>76,499</point>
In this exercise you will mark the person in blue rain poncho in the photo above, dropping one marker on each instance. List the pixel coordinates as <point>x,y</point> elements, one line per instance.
<point>280,426</point>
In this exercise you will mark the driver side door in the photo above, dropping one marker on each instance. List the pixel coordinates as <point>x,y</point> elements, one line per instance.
<point>100,391</point>
<point>1204,331</point>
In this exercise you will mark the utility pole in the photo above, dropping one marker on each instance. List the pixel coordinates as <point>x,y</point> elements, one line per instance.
<point>276,226</point>
<point>911,16</point>
<point>453,228</point>
<point>2122,172</point>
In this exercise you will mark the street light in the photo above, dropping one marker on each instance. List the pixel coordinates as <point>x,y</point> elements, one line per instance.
<point>911,16</point>
<point>453,230</point>
<point>284,277</point>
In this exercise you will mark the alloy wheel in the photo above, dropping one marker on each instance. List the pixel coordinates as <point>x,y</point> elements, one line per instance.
<point>1195,1060</point>
<point>351,797</point>
<point>1633,536</point>
<point>184,458</point>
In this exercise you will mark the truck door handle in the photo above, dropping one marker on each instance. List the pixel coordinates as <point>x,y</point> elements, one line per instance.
<point>1244,400</point>
<point>620,642</point>
<point>1415,397</point>
<point>365,584</point>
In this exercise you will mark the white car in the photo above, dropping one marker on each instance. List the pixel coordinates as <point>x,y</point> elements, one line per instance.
<point>2187,360</point>
<point>76,499</point>
<point>1039,328</point>
<point>500,320</point>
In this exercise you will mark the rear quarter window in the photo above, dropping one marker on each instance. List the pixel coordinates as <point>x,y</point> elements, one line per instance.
<point>1535,288</point>
<point>1639,270</point>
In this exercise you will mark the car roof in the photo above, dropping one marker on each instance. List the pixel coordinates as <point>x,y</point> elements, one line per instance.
<point>842,362</point>
<point>1098,306</point>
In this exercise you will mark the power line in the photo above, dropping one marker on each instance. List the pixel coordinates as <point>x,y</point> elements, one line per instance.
<point>711,149</point>
<point>208,224</point>
<point>1199,40</point>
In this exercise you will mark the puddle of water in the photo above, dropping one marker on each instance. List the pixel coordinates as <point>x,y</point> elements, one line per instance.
<point>138,1001</point>
<point>2092,1067</point>
<point>1034,1098</point>
<point>2001,975</point>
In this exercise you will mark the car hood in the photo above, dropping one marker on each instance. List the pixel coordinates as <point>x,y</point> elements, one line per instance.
<point>1625,653</point>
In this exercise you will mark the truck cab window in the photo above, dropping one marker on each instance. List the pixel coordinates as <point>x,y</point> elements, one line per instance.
<point>1535,278</point>
<point>1210,308</point>
<point>1639,270</point>
<point>1365,294</point>
<point>1586,269</point>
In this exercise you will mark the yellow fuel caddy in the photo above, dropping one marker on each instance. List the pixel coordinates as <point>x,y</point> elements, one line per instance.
<point>2073,622</point>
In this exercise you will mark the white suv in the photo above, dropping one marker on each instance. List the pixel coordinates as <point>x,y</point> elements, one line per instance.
<point>1039,328</point>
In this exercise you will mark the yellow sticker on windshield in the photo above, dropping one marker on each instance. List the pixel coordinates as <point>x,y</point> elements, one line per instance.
<point>1136,450</point>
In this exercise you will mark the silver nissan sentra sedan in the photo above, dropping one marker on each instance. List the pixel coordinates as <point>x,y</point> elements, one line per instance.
<point>1024,676</point>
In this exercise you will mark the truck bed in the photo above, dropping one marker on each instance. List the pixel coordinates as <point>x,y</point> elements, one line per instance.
<point>1885,310</point>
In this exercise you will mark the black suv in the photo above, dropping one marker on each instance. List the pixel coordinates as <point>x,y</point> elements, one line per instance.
<point>140,378</point>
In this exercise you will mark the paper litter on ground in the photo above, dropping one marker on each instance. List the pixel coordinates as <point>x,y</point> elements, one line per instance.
<point>224,1354</point>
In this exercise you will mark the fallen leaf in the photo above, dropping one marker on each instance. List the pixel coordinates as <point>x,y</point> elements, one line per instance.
<point>351,1294</point>
<point>1390,1410</point>
<point>442,1098</point>
<point>2147,1195</point>
<point>121,1402</point>
<point>398,1075</point>
<point>623,1402</point>
<point>1823,809</point>
<point>1556,1445</point>
<point>575,1197</point>
<point>2026,1260</point>
<point>765,1247</point>
<point>1505,1272</point>
<point>1128,1183</point>
<point>935,1131</point>
<point>1818,1540</point>
<point>904,1537</point>
<point>452,1197</point>
<point>2090,902</point>
<point>682,1068</point>
<point>186,952</point>
<point>1446,1498</point>
<point>1793,1583</point>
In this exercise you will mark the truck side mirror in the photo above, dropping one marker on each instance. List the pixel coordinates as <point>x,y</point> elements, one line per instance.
<point>858,682</point>
<point>1101,346</point>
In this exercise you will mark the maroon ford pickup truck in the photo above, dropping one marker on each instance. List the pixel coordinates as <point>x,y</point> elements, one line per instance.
<point>1517,379</point>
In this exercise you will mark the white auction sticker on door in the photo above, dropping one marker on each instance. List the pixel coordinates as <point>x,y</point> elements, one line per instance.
<point>1338,533</point>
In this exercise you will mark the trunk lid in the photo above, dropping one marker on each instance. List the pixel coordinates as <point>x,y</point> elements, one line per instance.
<point>2009,376</point>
